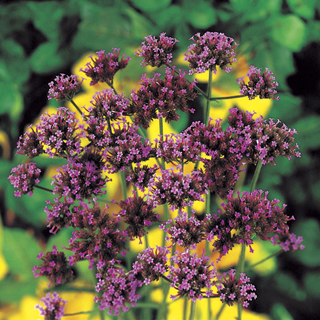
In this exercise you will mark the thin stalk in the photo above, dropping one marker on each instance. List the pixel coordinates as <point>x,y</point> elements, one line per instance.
<point>146,240</point>
<point>166,217</point>
<point>256,176</point>
<point>43,188</point>
<point>75,314</point>
<point>123,185</point>
<point>230,97</point>
<point>161,138</point>
<point>263,260</point>
<point>74,104</point>
<point>220,311</point>
<point>209,309</point>
<point>94,270</point>
<point>185,308</point>
<point>192,310</point>
<point>207,109</point>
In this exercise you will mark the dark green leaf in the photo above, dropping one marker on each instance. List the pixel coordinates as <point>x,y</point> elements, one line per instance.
<point>312,283</point>
<point>279,312</point>
<point>289,31</point>
<point>20,251</point>
<point>302,8</point>
<point>200,14</point>
<point>150,5</point>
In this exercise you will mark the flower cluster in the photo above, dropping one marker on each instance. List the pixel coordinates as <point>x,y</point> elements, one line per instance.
<point>59,132</point>
<point>53,306</point>
<point>177,189</point>
<point>119,290</point>
<point>105,66</point>
<point>24,177</point>
<point>191,274</point>
<point>99,240</point>
<point>64,87</point>
<point>138,214</point>
<point>265,141</point>
<point>156,52</point>
<point>55,267</point>
<point>259,85</point>
<point>29,143</point>
<point>161,98</point>
<point>243,216</point>
<point>287,241</point>
<point>185,231</point>
<point>232,289</point>
<point>209,51</point>
<point>151,264</point>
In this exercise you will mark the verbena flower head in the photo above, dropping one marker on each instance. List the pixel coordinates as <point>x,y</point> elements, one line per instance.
<point>233,290</point>
<point>119,291</point>
<point>191,275</point>
<point>151,264</point>
<point>161,98</point>
<point>106,105</point>
<point>59,132</point>
<point>29,143</point>
<point>243,216</point>
<point>99,240</point>
<point>105,66</point>
<point>24,177</point>
<point>53,306</point>
<point>64,88</point>
<point>156,51</point>
<point>288,241</point>
<point>264,140</point>
<point>209,51</point>
<point>259,85</point>
<point>184,230</point>
<point>138,214</point>
<point>55,267</point>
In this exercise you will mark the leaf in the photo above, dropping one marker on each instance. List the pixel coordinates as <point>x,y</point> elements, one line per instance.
<point>168,17</point>
<point>289,31</point>
<point>302,8</point>
<point>311,281</point>
<point>151,5</point>
<point>200,14</point>
<point>279,312</point>
<point>310,231</point>
<point>20,251</point>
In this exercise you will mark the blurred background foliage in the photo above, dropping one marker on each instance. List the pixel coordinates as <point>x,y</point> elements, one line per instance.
<point>40,39</point>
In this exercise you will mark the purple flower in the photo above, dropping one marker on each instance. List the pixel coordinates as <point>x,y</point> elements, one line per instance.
<point>29,144</point>
<point>190,274</point>
<point>64,87</point>
<point>55,267</point>
<point>119,290</point>
<point>53,306</point>
<point>156,51</point>
<point>138,214</point>
<point>210,50</point>
<point>243,216</point>
<point>259,85</point>
<point>184,230</point>
<point>151,264</point>
<point>105,66</point>
<point>24,177</point>
<point>158,98</point>
<point>288,241</point>
<point>59,131</point>
<point>233,290</point>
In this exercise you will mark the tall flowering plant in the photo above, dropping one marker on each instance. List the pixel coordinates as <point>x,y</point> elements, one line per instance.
<point>112,139</point>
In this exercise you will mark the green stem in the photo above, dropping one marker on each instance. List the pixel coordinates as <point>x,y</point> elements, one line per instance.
<point>146,240</point>
<point>42,188</point>
<point>209,309</point>
<point>185,308</point>
<point>207,109</point>
<point>74,104</point>
<point>220,311</point>
<point>75,314</point>
<point>192,310</point>
<point>123,185</point>
<point>230,97</point>
<point>166,217</point>
<point>161,137</point>
<point>263,260</point>
<point>256,176</point>
<point>100,293</point>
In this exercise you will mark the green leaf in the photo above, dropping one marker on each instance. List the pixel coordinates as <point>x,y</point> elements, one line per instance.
<point>287,284</point>
<point>20,251</point>
<point>289,31</point>
<point>12,290</point>
<point>311,281</point>
<point>47,58</point>
<point>302,8</point>
<point>150,5</point>
<point>279,312</point>
<point>200,14</point>
<point>310,231</point>
<point>308,133</point>
<point>168,17</point>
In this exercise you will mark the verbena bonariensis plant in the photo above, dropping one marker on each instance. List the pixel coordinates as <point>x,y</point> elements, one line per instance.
<point>109,141</point>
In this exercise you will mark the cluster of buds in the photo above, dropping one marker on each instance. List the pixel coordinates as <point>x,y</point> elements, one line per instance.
<point>108,142</point>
